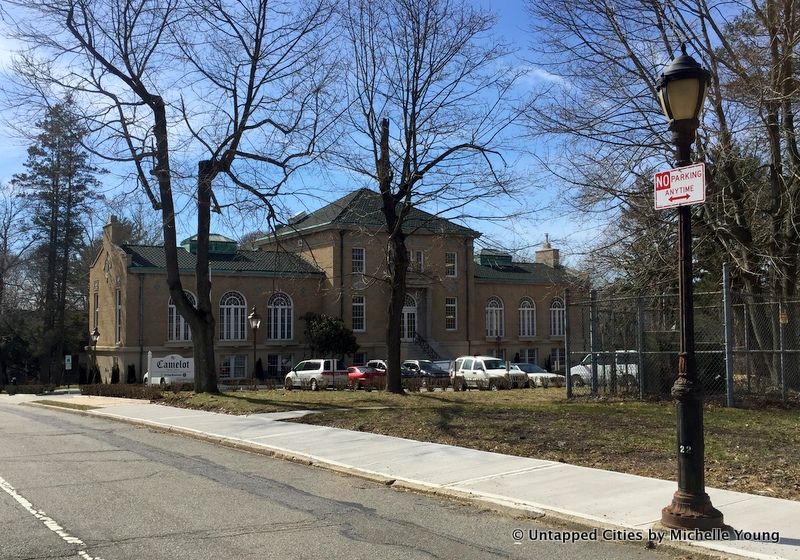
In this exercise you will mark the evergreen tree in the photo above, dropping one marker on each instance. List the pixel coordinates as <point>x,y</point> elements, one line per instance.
<point>58,186</point>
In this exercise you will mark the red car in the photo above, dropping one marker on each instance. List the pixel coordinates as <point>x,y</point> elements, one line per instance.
<point>365,377</point>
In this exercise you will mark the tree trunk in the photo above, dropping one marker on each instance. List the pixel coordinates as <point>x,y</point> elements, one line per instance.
<point>397,262</point>
<point>205,370</point>
<point>398,267</point>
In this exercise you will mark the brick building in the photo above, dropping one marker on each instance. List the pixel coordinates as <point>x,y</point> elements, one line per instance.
<point>332,261</point>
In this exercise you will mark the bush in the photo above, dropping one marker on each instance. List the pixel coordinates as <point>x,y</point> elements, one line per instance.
<point>29,389</point>
<point>115,374</point>
<point>131,373</point>
<point>122,391</point>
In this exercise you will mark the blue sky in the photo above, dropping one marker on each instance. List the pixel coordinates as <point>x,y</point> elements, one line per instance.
<point>524,233</point>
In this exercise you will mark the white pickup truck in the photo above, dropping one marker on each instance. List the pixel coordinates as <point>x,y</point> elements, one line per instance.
<point>624,364</point>
<point>315,374</point>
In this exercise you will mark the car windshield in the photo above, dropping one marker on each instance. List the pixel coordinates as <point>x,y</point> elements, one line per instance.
<point>365,369</point>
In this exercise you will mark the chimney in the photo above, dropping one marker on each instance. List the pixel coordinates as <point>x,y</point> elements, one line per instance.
<point>115,231</point>
<point>547,255</point>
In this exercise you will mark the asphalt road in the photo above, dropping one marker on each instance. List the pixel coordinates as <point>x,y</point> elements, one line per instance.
<point>79,487</point>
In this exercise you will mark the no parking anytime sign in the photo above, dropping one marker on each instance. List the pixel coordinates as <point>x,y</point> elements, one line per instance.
<point>680,186</point>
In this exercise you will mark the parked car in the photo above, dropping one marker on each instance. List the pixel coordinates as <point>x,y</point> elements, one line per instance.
<point>540,377</point>
<point>364,377</point>
<point>486,372</point>
<point>426,368</point>
<point>624,364</point>
<point>446,365</point>
<point>431,374</point>
<point>381,365</point>
<point>315,374</point>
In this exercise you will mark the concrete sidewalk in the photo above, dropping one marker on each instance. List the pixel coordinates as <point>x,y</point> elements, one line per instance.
<point>589,496</point>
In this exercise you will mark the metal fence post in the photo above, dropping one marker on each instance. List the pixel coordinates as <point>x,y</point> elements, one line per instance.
<point>640,344</point>
<point>728,324</point>
<point>748,357</point>
<point>783,319</point>
<point>566,344</point>
<point>593,338</point>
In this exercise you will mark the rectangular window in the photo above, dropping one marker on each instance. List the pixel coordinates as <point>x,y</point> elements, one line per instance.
<point>118,317</point>
<point>359,358</point>
<point>557,359</point>
<point>528,355</point>
<point>96,309</point>
<point>450,265</point>
<point>450,313</point>
<point>233,367</point>
<point>278,365</point>
<point>359,317</point>
<point>358,260</point>
<point>419,261</point>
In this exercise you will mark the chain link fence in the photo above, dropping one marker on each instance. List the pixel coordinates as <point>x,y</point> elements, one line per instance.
<point>629,346</point>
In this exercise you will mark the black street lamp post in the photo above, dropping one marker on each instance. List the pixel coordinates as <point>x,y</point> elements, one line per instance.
<point>681,92</point>
<point>255,323</point>
<point>94,336</point>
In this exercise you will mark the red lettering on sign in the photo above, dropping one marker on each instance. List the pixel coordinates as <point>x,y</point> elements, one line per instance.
<point>663,180</point>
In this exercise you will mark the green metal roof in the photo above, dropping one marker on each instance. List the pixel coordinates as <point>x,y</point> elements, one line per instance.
<point>523,273</point>
<point>262,263</point>
<point>363,208</point>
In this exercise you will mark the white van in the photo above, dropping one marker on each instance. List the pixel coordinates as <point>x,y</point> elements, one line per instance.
<point>623,363</point>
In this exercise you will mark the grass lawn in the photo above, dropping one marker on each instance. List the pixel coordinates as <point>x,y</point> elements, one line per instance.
<point>746,450</point>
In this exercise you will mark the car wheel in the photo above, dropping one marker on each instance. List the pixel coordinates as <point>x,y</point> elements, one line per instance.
<point>493,385</point>
<point>629,380</point>
<point>287,384</point>
<point>577,380</point>
<point>314,385</point>
<point>531,384</point>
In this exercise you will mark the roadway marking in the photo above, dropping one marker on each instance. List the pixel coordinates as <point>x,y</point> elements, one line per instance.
<point>48,522</point>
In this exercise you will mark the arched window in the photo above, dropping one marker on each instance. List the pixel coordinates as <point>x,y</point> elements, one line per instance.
<point>527,317</point>
<point>279,317</point>
<point>178,326</point>
<point>557,317</point>
<point>494,317</point>
<point>232,316</point>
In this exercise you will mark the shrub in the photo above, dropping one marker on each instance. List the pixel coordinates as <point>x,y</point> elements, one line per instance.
<point>131,373</point>
<point>29,389</point>
<point>115,374</point>
<point>122,391</point>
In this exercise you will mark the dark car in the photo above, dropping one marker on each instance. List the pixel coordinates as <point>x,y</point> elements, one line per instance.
<point>380,365</point>
<point>365,377</point>
<point>426,368</point>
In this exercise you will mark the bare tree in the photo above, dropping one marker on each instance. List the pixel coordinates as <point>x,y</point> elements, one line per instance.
<point>431,70</point>
<point>234,85</point>
<point>608,55</point>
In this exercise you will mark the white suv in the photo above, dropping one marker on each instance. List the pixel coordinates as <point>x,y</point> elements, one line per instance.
<point>623,363</point>
<point>486,372</point>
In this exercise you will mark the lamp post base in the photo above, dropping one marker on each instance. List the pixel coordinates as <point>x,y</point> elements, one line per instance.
<point>691,511</point>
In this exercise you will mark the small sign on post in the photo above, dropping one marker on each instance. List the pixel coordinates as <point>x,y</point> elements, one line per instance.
<point>68,362</point>
<point>680,186</point>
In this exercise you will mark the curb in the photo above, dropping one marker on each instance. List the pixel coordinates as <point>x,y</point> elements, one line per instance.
<point>502,505</point>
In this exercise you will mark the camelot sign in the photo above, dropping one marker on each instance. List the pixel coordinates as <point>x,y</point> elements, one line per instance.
<point>680,186</point>
<point>170,369</point>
